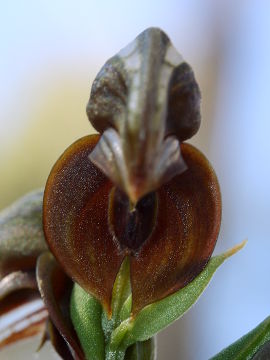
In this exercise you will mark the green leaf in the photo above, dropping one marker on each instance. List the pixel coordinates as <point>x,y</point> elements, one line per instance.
<point>126,309</point>
<point>159,315</point>
<point>121,290</point>
<point>248,345</point>
<point>86,313</point>
<point>263,352</point>
<point>21,234</point>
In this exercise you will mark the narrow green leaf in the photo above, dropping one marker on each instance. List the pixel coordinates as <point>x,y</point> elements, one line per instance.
<point>159,315</point>
<point>21,234</point>
<point>126,309</point>
<point>121,289</point>
<point>248,345</point>
<point>86,313</point>
<point>263,353</point>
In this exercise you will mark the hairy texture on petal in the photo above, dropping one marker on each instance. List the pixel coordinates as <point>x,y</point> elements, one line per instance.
<point>188,221</point>
<point>90,227</point>
<point>76,221</point>
<point>21,234</point>
<point>55,289</point>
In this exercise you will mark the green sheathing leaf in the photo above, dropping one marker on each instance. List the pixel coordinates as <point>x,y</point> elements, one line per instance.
<point>21,234</point>
<point>86,313</point>
<point>159,315</point>
<point>121,290</point>
<point>126,309</point>
<point>263,353</point>
<point>248,345</point>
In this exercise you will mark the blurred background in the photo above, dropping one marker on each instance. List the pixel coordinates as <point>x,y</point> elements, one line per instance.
<point>50,52</point>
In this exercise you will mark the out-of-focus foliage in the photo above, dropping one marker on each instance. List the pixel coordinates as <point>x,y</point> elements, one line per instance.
<point>256,342</point>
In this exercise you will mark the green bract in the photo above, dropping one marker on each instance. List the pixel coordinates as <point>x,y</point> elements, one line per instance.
<point>254,345</point>
<point>86,316</point>
<point>149,321</point>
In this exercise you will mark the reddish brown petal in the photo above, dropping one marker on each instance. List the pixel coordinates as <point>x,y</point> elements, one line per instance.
<point>55,288</point>
<point>76,221</point>
<point>79,229</point>
<point>188,221</point>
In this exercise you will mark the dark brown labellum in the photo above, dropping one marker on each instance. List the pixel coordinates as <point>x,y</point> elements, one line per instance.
<point>131,225</point>
<point>90,227</point>
<point>75,217</point>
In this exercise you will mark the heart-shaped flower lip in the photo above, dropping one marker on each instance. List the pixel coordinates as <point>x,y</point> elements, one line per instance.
<point>90,228</point>
<point>136,190</point>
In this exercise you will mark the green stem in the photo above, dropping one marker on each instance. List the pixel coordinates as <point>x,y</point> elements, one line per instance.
<point>117,336</point>
<point>145,350</point>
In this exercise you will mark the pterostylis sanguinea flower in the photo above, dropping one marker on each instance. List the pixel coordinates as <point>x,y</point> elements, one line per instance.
<point>136,190</point>
<point>136,195</point>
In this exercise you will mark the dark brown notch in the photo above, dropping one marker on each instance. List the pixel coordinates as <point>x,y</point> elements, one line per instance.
<point>131,226</point>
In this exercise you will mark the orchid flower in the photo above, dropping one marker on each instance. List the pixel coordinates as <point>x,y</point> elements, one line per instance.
<point>130,215</point>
